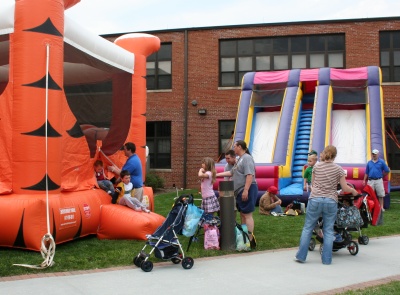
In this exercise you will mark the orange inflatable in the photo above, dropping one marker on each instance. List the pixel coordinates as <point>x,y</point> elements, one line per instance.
<point>47,183</point>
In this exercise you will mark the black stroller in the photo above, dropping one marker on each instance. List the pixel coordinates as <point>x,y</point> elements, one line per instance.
<point>343,237</point>
<point>164,241</point>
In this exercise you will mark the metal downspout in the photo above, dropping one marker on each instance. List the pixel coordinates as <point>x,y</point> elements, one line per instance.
<point>185,107</point>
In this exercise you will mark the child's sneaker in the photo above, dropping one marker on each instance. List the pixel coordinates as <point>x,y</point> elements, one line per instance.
<point>137,208</point>
<point>146,210</point>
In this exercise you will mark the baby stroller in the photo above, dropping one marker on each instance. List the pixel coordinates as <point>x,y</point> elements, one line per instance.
<point>164,241</point>
<point>343,238</point>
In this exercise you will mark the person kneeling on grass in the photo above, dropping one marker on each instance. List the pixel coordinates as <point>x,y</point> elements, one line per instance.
<point>125,192</point>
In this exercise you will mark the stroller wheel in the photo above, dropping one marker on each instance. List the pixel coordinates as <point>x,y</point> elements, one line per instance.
<point>187,262</point>
<point>175,260</point>
<point>312,244</point>
<point>353,248</point>
<point>137,260</point>
<point>363,240</point>
<point>146,266</point>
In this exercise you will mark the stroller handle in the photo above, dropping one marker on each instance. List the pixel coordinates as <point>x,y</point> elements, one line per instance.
<point>184,199</point>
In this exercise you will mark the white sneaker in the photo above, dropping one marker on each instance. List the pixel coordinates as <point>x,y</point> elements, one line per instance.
<point>383,209</point>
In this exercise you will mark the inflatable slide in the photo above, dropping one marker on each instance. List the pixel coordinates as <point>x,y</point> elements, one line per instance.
<point>283,115</point>
<point>56,79</point>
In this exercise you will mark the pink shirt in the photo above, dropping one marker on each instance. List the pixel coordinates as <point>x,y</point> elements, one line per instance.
<point>206,186</point>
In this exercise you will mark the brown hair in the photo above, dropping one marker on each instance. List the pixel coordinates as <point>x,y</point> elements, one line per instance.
<point>124,173</point>
<point>330,153</point>
<point>98,163</point>
<point>210,166</point>
<point>243,145</point>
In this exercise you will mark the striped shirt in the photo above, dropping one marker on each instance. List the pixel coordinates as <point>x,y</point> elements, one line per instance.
<point>326,178</point>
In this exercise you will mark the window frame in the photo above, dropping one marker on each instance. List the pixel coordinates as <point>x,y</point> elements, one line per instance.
<point>158,59</point>
<point>157,157</point>
<point>388,71</point>
<point>275,54</point>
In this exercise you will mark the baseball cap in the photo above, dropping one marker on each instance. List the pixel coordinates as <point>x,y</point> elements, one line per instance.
<point>312,152</point>
<point>375,151</point>
<point>273,190</point>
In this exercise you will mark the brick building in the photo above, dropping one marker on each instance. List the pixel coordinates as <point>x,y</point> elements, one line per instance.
<point>194,81</point>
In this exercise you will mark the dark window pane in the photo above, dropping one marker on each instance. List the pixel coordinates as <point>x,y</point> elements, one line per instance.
<point>299,44</point>
<point>262,46</point>
<point>151,82</point>
<point>228,79</point>
<point>228,48</point>
<point>165,82</point>
<point>164,130</point>
<point>150,129</point>
<point>226,130</point>
<point>396,39</point>
<point>245,47</point>
<point>158,139</point>
<point>397,74</point>
<point>317,43</point>
<point>335,42</point>
<point>281,45</point>
<point>152,57</point>
<point>384,40</point>
<point>241,74</point>
<point>385,74</point>
<point>165,52</point>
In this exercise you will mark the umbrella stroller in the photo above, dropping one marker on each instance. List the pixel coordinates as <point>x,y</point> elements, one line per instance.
<point>164,241</point>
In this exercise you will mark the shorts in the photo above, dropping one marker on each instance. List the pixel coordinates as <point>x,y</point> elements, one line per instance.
<point>377,185</point>
<point>249,205</point>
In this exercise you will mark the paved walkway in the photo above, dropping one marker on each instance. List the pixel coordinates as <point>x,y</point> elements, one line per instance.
<point>266,272</point>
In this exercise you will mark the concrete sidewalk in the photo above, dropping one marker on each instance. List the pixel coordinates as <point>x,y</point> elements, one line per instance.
<point>265,272</point>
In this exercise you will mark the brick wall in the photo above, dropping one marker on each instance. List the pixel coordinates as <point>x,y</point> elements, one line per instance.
<point>362,49</point>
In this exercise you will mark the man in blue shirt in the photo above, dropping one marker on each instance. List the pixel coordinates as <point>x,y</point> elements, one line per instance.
<point>134,166</point>
<point>375,171</point>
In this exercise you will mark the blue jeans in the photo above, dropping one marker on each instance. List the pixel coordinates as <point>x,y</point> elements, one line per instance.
<point>317,207</point>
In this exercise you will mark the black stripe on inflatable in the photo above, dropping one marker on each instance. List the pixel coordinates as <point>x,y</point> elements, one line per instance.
<point>46,28</point>
<point>41,131</point>
<point>19,239</point>
<point>75,131</point>
<point>42,84</point>
<point>41,185</point>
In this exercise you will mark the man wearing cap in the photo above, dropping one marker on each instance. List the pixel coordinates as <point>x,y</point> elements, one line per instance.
<point>375,171</point>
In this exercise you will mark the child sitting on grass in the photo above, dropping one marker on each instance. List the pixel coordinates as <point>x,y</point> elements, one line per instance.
<point>125,192</point>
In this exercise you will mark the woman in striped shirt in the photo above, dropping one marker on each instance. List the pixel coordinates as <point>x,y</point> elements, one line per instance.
<point>323,202</point>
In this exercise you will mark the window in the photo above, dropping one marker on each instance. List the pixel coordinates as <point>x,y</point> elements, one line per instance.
<point>238,57</point>
<point>226,130</point>
<point>389,46</point>
<point>158,139</point>
<point>159,68</point>
<point>392,148</point>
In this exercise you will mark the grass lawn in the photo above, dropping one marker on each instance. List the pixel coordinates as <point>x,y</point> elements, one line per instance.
<point>91,253</point>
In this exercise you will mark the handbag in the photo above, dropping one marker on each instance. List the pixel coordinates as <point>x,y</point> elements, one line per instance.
<point>349,216</point>
<point>192,218</point>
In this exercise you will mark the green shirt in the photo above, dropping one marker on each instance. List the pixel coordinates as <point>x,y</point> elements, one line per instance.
<point>308,174</point>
